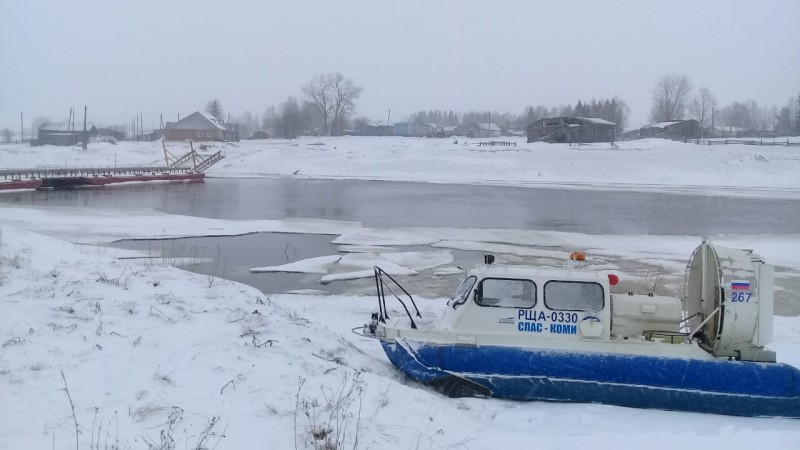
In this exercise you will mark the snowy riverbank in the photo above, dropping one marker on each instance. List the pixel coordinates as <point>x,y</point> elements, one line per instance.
<point>151,353</point>
<point>148,349</point>
<point>648,164</point>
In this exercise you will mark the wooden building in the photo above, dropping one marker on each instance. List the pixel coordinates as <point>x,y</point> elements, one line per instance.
<point>674,129</point>
<point>374,129</point>
<point>418,129</point>
<point>112,133</point>
<point>62,133</point>
<point>571,129</point>
<point>199,127</point>
<point>481,130</point>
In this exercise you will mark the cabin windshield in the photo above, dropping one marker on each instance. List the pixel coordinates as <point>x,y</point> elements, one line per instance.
<point>463,291</point>
<point>509,293</point>
<point>573,296</point>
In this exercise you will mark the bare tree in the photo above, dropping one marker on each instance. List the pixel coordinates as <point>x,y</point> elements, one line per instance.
<point>771,117</point>
<point>334,96</point>
<point>310,116</point>
<point>701,107</point>
<point>269,122</point>
<point>317,92</point>
<point>214,107</point>
<point>5,133</point>
<point>247,124</point>
<point>290,119</point>
<point>797,114</point>
<point>783,121</point>
<point>669,98</point>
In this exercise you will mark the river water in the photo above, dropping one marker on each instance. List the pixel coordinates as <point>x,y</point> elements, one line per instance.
<point>389,204</point>
<point>398,204</point>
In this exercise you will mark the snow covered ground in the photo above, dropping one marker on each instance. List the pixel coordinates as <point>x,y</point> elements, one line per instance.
<point>648,164</point>
<point>152,354</point>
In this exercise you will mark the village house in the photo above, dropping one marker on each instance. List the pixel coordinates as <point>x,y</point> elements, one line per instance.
<point>377,128</point>
<point>673,129</point>
<point>199,127</point>
<point>63,133</point>
<point>418,129</point>
<point>571,129</point>
<point>729,131</point>
<point>481,130</point>
<point>450,130</point>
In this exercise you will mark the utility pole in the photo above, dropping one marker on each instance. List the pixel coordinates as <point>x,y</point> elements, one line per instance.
<point>84,127</point>
<point>21,129</point>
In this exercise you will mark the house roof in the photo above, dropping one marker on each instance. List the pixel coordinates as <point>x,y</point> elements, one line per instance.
<point>662,124</point>
<point>64,126</point>
<point>572,120</point>
<point>198,121</point>
<point>596,121</point>
<point>214,120</point>
<point>378,123</point>
<point>667,123</point>
<point>426,125</point>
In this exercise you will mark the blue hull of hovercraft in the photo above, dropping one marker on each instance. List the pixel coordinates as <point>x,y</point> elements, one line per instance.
<point>707,386</point>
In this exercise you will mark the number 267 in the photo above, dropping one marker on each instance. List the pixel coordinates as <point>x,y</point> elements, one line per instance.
<point>740,297</point>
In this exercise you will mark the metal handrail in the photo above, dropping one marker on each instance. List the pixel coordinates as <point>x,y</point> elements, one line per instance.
<point>96,170</point>
<point>382,287</point>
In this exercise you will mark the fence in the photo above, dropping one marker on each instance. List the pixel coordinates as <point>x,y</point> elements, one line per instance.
<point>500,143</point>
<point>743,142</point>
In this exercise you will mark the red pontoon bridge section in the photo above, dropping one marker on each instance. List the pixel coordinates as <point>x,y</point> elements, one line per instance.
<point>68,177</point>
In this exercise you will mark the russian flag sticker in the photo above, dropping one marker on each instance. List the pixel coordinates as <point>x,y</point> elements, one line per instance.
<point>740,285</point>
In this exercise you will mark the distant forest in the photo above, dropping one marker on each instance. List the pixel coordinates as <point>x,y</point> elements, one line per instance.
<point>614,110</point>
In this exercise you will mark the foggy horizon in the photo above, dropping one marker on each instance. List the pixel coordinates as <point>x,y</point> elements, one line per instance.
<point>172,58</point>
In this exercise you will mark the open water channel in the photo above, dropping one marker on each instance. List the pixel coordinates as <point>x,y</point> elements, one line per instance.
<point>400,204</point>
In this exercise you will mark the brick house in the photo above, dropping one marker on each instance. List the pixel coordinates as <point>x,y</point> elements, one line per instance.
<point>199,127</point>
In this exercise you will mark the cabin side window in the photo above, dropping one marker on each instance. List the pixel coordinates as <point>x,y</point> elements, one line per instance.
<point>573,296</point>
<point>506,293</point>
<point>463,291</point>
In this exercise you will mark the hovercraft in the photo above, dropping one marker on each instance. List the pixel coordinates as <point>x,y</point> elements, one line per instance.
<point>559,334</point>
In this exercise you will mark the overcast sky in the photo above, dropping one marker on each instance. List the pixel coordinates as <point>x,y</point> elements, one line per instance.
<point>171,57</point>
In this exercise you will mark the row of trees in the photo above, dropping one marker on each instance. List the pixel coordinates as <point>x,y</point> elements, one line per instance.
<point>614,110</point>
<point>673,100</point>
<point>788,118</point>
<point>328,106</point>
<point>329,101</point>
